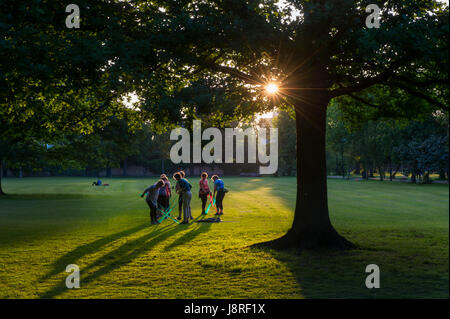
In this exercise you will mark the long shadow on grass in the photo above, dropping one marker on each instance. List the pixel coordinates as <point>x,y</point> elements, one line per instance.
<point>120,256</point>
<point>327,274</point>
<point>73,256</point>
<point>189,236</point>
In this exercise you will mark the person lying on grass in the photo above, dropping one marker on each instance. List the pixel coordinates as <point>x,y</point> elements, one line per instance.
<point>99,183</point>
<point>152,199</point>
<point>204,190</point>
<point>183,188</point>
<point>219,187</point>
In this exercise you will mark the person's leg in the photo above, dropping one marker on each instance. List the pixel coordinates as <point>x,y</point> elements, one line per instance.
<point>154,211</point>
<point>185,208</point>
<point>161,204</point>
<point>189,198</point>
<point>221,203</point>
<point>189,205</point>
<point>219,199</point>
<point>217,203</point>
<point>203,198</point>
<point>180,205</point>
<point>150,205</point>
<point>167,202</point>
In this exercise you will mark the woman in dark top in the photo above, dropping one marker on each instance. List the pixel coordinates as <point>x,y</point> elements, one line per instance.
<point>204,190</point>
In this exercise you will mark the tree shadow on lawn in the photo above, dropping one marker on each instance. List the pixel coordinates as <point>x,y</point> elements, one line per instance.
<point>189,236</point>
<point>118,257</point>
<point>326,274</point>
<point>342,274</point>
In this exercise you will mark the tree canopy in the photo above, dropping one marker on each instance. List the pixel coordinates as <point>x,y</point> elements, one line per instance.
<point>187,59</point>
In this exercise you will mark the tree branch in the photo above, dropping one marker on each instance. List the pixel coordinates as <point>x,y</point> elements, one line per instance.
<point>364,84</point>
<point>368,82</point>
<point>418,94</point>
<point>231,71</point>
<point>419,83</point>
<point>363,101</point>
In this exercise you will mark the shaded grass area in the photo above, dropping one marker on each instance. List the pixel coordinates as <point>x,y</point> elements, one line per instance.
<point>49,223</point>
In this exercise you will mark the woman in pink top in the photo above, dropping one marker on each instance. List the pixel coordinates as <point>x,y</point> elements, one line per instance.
<point>204,190</point>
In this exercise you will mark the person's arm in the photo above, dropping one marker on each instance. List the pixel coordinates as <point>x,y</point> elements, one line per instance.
<point>215,189</point>
<point>145,191</point>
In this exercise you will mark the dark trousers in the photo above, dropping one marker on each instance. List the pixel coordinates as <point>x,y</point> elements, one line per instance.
<point>152,211</point>
<point>180,204</point>
<point>204,198</point>
<point>219,199</point>
<point>163,201</point>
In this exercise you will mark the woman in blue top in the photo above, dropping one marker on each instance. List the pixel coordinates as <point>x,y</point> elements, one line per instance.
<point>219,187</point>
<point>183,188</point>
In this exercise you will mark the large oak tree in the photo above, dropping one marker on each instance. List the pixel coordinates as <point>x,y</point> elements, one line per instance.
<point>169,52</point>
<point>316,51</point>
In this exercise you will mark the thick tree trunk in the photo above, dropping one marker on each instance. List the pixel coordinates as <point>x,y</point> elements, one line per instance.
<point>311,228</point>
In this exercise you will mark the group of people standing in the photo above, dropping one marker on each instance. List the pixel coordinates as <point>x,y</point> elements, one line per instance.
<point>159,194</point>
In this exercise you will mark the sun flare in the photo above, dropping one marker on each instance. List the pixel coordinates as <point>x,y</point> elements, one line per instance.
<point>272,88</point>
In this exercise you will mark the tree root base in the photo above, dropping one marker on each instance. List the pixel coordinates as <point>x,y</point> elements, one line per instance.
<point>329,240</point>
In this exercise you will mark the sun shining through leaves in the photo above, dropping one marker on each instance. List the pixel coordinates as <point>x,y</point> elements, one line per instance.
<point>272,88</point>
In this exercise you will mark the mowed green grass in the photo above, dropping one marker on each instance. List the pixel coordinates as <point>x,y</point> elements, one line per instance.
<point>49,223</point>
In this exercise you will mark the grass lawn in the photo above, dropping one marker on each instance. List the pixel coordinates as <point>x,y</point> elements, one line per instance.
<point>49,223</point>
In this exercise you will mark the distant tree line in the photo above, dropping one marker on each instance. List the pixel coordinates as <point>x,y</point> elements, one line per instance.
<point>382,148</point>
<point>119,144</point>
